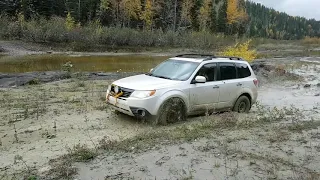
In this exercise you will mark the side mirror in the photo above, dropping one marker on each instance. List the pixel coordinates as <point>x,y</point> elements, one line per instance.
<point>151,70</point>
<point>200,79</point>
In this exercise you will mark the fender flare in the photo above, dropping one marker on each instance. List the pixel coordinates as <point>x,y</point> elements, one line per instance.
<point>172,94</point>
<point>244,91</point>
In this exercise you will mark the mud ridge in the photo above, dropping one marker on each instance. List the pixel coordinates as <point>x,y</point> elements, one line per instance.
<point>31,78</point>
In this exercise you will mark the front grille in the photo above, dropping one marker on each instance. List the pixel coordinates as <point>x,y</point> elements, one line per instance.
<point>126,92</point>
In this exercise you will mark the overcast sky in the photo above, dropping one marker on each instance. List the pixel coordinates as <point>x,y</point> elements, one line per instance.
<point>306,8</point>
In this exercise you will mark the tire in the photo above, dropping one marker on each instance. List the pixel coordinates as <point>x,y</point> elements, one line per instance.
<point>171,111</point>
<point>242,105</point>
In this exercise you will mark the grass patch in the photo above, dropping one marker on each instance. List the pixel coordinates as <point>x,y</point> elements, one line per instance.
<point>304,126</point>
<point>183,133</point>
<point>311,41</point>
<point>278,136</point>
<point>61,169</point>
<point>81,153</point>
<point>188,133</point>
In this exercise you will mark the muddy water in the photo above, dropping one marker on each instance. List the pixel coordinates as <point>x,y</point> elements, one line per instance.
<point>127,63</point>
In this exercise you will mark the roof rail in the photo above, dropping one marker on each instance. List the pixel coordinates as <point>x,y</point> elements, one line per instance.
<point>205,56</point>
<point>230,57</point>
<point>208,56</point>
<point>199,55</point>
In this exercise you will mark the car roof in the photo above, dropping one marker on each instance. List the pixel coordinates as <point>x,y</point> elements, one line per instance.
<point>207,58</point>
<point>188,59</point>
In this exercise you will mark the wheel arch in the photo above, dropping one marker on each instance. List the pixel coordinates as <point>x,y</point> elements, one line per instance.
<point>247,95</point>
<point>244,92</point>
<point>172,94</point>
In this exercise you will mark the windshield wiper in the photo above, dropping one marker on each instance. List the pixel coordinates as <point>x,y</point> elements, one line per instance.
<point>163,77</point>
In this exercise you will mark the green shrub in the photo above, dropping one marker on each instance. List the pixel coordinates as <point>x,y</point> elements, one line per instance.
<point>9,28</point>
<point>93,35</point>
<point>55,30</point>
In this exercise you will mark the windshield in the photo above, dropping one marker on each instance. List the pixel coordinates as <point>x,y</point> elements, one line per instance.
<point>174,70</point>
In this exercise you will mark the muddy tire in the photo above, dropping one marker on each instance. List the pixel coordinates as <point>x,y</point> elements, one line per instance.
<point>171,111</point>
<point>242,105</point>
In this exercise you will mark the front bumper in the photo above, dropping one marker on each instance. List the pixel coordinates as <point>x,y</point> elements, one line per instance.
<point>120,105</point>
<point>133,106</point>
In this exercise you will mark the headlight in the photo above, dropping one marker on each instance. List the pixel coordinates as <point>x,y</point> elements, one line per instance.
<point>116,89</point>
<point>143,94</point>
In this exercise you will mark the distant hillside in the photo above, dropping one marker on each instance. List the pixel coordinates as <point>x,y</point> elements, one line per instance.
<point>216,16</point>
<point>266,22</point>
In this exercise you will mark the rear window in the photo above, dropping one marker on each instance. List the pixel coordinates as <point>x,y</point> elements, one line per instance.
<point>227,71</point>
<point>243,70</point>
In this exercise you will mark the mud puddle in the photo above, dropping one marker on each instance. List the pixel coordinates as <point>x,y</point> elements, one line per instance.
<point>55,62</point>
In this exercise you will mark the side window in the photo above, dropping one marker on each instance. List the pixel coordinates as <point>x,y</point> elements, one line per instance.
<point>227,71</point>
<point>243,70</point>
<point>208,71</point>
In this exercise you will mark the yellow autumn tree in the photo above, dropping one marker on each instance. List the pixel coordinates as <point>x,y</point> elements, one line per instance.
<point>147,15</point>
<point>241,50</point>
<point>235,14</point>
<point>186,17</point>
<point>204,15</point>
<point>131,9</point>
<point>70,22</point>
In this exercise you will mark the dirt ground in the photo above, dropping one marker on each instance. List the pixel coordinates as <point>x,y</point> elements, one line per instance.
<point>43,122</point>
<point>281,149</point>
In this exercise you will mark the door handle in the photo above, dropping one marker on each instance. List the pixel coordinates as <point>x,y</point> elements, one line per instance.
<point>215,87</point>
<point>239,84</point>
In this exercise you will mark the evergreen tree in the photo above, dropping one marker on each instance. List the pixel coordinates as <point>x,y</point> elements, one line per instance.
<point>240,17</point>
<point>214,17</point>
<point>222,18</point>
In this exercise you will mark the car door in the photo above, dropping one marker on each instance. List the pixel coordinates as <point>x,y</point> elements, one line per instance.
<point>244,75</point>
<point>230,85</point>
<point>204,96</point>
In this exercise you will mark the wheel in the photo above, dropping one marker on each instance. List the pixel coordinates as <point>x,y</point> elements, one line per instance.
<point>172,110</point>
<point>242,105</point>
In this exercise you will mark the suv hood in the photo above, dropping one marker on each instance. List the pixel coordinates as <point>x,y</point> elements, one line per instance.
<point>145,82</point>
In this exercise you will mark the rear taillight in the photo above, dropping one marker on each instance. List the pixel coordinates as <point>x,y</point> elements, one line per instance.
<point>256,82</point>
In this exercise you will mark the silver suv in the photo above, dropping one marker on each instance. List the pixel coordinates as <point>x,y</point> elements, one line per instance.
<point>185,85</point>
